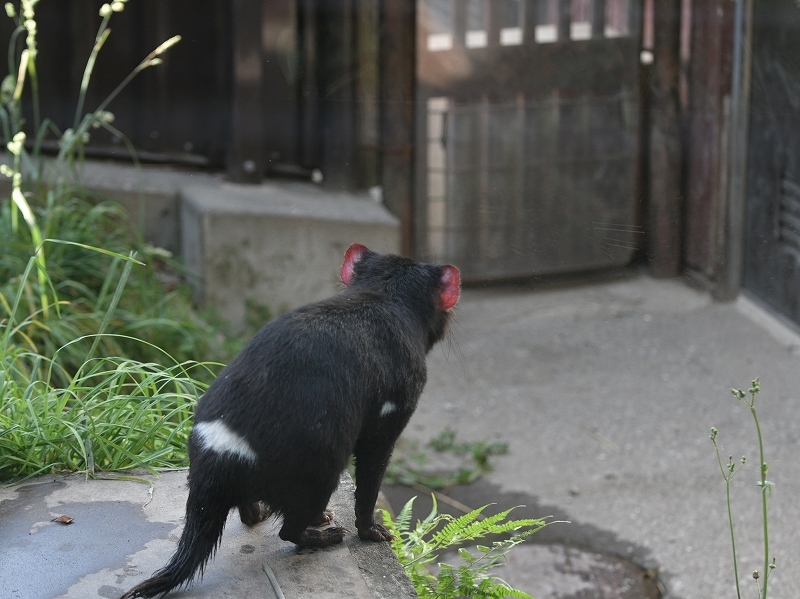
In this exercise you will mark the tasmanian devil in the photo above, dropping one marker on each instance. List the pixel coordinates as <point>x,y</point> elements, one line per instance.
<point>336,378</point>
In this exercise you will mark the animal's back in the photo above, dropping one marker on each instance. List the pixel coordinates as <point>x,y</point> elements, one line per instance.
<point>312,376</point>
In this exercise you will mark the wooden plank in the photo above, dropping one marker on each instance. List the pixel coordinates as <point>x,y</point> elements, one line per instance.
<point>598,67</point>
<point>246,161</point>
<point>709,85</point>
<point>664,207</point>
<point>398,91</point>
<point>337,62</point>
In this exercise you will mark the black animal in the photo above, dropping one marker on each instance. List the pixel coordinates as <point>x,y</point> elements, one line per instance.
<point>275,430</point>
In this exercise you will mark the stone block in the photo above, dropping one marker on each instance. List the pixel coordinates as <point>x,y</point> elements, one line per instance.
<point>275,245</point>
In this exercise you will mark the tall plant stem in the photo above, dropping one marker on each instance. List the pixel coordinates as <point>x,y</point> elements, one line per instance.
<point>727,478</point>
<point>763,498</point>
<point>151,59</point>
<point>99,40</point>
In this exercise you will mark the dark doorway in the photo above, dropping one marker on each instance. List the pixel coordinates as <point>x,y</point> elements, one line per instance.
<point>772,226</point>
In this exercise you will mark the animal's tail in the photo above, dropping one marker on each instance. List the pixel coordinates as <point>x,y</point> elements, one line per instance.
<point>206,512</point>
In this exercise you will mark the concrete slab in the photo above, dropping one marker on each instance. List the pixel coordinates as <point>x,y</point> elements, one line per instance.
<point>121,533</point>
<point>150,194</point>
<point>606,394</point>
<point>278,245</point>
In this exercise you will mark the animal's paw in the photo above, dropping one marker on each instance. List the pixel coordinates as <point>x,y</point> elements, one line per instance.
<point>326,537</point>
<point>324,518</point>
<point>374,532</point>
<point>253,513</point>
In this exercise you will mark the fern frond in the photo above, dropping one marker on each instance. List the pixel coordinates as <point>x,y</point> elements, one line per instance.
<point>455,529</point>
<point>417,548</point>
<point>404,517</point>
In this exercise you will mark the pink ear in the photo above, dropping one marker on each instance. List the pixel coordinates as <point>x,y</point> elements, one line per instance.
<point>352,257</point>
<point>451,287</point>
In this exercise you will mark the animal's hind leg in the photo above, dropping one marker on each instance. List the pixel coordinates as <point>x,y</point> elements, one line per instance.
<point>253,513</point>
<point>307,509</point>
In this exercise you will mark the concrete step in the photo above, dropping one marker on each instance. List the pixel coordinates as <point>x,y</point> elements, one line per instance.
<point>122,532</point>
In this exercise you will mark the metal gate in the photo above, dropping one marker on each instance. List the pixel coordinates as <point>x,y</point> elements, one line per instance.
<point>527,133</point>
<point>772,235</point>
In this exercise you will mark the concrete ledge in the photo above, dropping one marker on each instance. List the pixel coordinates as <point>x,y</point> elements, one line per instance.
<point>150,195</point>
<point>121,534</point>
<point>278,245</point>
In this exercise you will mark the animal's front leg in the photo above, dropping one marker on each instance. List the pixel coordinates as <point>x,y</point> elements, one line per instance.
<point>372,455</point>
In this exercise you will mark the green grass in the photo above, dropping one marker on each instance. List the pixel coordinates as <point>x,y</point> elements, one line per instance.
<point>116,414</point>
<point>411,467</point>
<point>111,413</point>
<point>69,296</point>
<point>78,289</point>
<point>99,352</point>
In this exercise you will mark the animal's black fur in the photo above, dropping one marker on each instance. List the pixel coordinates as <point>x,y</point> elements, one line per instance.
<point>306,393</point>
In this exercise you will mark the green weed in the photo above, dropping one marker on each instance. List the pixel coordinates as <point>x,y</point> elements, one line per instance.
<point>411,468</point>
<point>419,547</point>
<point>112,413</point>
<point>69,298</point>
<point>729,470</point>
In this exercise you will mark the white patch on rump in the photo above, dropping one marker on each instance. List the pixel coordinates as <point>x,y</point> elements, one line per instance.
<point>388,408</point>
<point>217,437</point>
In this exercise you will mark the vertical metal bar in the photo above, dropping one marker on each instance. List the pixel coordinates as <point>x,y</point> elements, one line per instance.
<point>737,152</point>
<point>246,157</point>
<point>598,19</point>
<point>564,20</point>
<point>520,224</point>
<point>529,21</point>
<point>158,105</point>
<point>459,21</point>
<point>309,135</point>
<point>279,50</point>
<point>494,20</point>
<point>367,92</point>
<point>483,182</point>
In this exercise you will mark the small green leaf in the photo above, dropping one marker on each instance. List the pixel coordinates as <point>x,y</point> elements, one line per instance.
<point>766,487</point>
